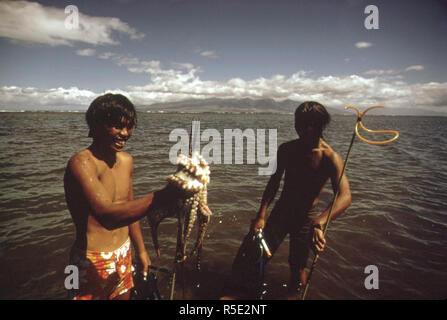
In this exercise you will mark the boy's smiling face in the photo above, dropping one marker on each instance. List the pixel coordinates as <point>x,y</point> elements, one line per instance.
<point>116,135</point>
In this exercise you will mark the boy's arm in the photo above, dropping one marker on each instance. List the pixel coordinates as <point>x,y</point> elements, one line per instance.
<point>111,215</point>
<point>269,192</point>
<point>137,236</point>
<point>343,200</point>
<point>137,239</point>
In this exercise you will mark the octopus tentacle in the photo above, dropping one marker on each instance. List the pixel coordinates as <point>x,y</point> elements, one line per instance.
<point>181,256</point>
<point>192,215</point>
<point>192,177</point>
<point>154,217</point>
<point>204,217</point>
<point>186,209</point>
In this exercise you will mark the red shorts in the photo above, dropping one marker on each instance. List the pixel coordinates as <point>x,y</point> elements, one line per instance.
<point>103,275</point>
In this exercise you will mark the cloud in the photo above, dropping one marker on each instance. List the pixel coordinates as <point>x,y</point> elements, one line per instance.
<point>380,72</point>
<point>375,72</point>
<point>182,81</point>
<point>37,98</point>
<point>185,65</point>
<point>24,21</point>
<point>362,44</point>
<point>207,53</point>
<point>415,67</point>
<point>106,55</point>
<point>174,85</point>
<point>86,52</point>
<point>152,67</point>
<point>334,91</point>
<point>136,65</point>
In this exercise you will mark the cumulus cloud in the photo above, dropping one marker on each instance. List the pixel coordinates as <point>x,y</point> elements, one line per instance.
<point>106,55</point>
<point>32,22</point>
<point>86,52</point>
<point>182,81</point>
<point>334,91</point>
<point>375,72</point>
<point>415,67</point>
<point>387,72</point>
<point>152,67</point>
<point>363,44</point>
<point>183,65</point>
<point>173,85</point>
<point>33,98</point>
<point>207,53</point>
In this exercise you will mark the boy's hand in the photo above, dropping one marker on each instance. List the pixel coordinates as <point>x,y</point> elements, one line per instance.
<point>173,191</point>
<point>322,146</point>
<point>258,223</point>
<point>318,240</point>
<point>145,261</point>
<point>168,196</point>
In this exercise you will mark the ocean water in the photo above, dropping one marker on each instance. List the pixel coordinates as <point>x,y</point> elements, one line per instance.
<point>397,220</point>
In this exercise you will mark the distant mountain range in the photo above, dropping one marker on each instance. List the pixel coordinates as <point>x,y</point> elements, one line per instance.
<point>227,105</point>
<point>261,106</point>
<point>215,105</point>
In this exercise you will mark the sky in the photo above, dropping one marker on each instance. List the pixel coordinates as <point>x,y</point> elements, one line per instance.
<point>334,52</point>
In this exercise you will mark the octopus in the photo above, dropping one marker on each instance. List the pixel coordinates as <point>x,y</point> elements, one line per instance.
<point>192,177</point>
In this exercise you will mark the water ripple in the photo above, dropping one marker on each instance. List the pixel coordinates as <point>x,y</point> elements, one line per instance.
<point>397,221</point>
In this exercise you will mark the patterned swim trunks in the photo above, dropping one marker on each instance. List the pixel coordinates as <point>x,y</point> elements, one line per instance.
<point>102,275</point>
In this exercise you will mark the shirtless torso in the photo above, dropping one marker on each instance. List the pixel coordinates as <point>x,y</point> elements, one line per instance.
<point>307,170</point>
<point>114,181</point>
<point>305,173</point>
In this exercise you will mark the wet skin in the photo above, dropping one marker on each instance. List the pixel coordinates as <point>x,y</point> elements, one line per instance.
<point>99,194</point>
<point>308,163</point>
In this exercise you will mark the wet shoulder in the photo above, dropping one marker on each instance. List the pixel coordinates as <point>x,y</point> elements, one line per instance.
<point>80,166</point>
<point>83,157</point>
<point>125,159</point>
<point>124,156</point>
<point>330,155</point>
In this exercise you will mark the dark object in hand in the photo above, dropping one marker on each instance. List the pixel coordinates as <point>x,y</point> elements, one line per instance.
<point>145,286</point>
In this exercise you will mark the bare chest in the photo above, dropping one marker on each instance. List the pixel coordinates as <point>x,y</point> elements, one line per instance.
<point>116,181</point>
<point>308,171</point>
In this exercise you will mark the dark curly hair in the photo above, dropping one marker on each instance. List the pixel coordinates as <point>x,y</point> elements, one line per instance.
<point>109,109</point>
<point>312,113</point>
